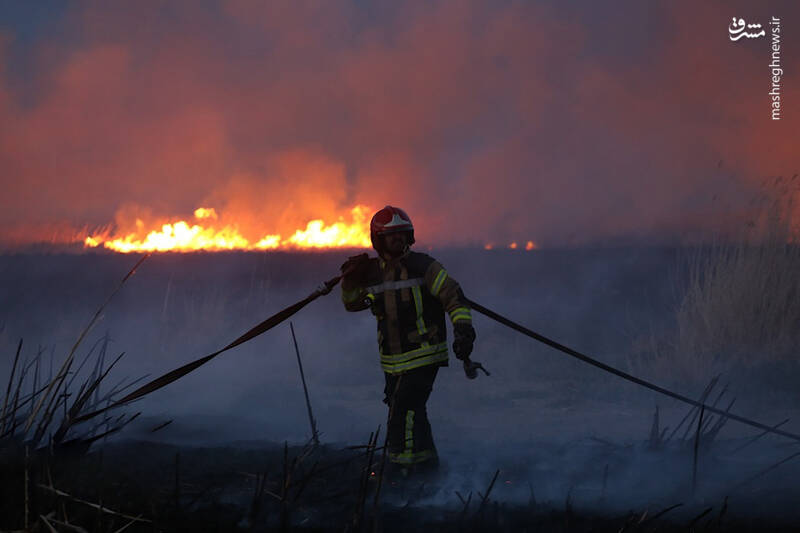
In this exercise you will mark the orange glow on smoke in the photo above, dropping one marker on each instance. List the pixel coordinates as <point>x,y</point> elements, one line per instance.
<point>204,234</point>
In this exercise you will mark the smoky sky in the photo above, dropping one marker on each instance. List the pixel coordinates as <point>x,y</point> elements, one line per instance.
<point>557,122</point>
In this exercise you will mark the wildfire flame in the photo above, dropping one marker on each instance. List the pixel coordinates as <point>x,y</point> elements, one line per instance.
<point>207,232</point>
<point>205,212</point>
<point>203,234</point>
<point>530,245</point>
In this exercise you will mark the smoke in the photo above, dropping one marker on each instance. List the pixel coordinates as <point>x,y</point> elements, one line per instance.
<point>486,121</point>
<point>304,186</point>
<point>547,422</point>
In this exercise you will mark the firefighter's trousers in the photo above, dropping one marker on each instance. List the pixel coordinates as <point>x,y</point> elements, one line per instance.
<point>410,440</point>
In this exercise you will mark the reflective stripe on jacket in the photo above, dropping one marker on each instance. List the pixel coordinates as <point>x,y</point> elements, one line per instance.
<point>408,296</point>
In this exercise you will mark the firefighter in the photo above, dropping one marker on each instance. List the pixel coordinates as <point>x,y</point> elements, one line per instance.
<point>409,293</point>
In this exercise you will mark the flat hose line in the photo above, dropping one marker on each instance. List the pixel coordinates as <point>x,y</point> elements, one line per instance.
<point>326,287</point>
<point>624,375</point>
<point>251,334</point>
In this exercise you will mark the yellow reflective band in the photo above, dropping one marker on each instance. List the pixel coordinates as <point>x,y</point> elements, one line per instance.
<point>411,354</point>
<point>408,458</point>
<point>421,329</point>
<point>371,296</point>
<point>351,295</point>
<point>409,431</point>
<point>397,368</point>
<point>460,313</point>
<point>438,281</point>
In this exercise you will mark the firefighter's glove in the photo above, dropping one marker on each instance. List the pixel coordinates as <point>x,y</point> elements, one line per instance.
<point>471,369</point>
<point>355,269</point>
<point>464,337</point>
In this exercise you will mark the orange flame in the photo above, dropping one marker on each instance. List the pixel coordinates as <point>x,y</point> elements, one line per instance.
<point>530,245</point>
<point>205,212</point>
<point>183,236</point>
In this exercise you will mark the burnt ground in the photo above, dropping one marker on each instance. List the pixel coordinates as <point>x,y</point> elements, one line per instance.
<point>575,448</point>
<point>257,486</point>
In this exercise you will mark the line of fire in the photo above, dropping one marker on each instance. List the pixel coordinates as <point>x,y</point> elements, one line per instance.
<point>383,267</point>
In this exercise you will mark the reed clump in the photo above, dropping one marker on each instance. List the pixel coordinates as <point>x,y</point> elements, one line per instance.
<point>737,303</point>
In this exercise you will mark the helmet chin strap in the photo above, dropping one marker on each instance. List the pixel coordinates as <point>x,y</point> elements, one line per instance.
<point>405,249</point>
<point>385,254</point>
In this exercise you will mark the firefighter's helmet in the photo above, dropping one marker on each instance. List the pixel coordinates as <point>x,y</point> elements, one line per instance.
<point>390,220</point>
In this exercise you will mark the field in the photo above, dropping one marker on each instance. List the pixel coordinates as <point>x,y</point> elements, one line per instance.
<point>569,448</point>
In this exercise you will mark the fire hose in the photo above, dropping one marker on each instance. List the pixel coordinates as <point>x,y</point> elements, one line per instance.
<point>255,331</point>
<point>470,367</point>
<point>624,375</point>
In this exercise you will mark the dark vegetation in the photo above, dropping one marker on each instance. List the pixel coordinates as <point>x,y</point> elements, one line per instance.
<point>129,485</point>
<point>685,473</point>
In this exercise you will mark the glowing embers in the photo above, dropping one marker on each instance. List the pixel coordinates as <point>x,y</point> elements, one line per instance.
<point>205,233</point>
<point>530,245</point>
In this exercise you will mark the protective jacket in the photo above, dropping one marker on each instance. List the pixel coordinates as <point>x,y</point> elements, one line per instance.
<point>409,296</point>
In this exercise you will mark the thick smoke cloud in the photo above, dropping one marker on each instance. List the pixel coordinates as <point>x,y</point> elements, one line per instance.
<point>504,121</point>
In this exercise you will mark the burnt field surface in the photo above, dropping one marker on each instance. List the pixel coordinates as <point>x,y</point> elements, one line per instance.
<point>545,443</point>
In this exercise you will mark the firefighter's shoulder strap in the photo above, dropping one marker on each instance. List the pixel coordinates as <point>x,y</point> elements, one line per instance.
<point>445,288</point>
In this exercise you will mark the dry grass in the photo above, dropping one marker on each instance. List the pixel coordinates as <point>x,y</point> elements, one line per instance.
<point>737,305</point>
<point>741,304</point>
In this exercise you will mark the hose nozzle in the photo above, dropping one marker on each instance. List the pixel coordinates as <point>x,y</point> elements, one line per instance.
<point>471,369</point>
